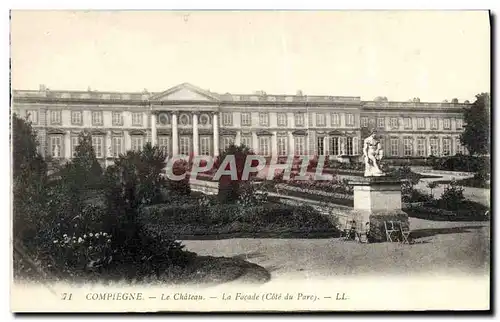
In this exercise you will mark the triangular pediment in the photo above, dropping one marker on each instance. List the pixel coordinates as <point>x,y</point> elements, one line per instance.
<point>185,92</point>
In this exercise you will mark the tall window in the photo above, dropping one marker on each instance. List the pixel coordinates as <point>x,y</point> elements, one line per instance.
<point>246,119</point>
<point>350,119</point>
<point>205,144</point>
<point>460,124</point>
<point>433,144</point>
<point>227,118</point>
<point>76,117</point>
<point>32,116</point>
<point>320,119</point>
<point>421,123</point>
<point>447,124</point>
<point>434,123</point>
<point>364,122</point>
<point>394,146</point>
<point>117,118</point>
<point>117,146</point>
<point>446,146</point>
<point>381,122</point>
<point>349,146</point>
<point>421,147</point>
<point>97,118</point>
<point>185,145</point>
<point>459,147</point>
<point>333,143</point>
<point>299,119</point>
<point>137,119</point>
<point>55,117</point>
<point>264,146</point>
<point>263,119</point>
<point>407,123</point>
<point>300,145</point>
<point>281,119</point>
<point>335,119</point>
<point>97,144</point>
<point>137,143</point>
<point>227,141</point>
<point>394,122</point>
<point>74,143</point>
<point>246,140</point>
<point>320,145</point>
<point>282,145</point>
<point>56,146</point>
<point>163,143</point>
<point>407,147</point>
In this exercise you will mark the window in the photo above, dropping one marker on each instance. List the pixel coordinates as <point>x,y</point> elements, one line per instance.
<point>281,119</point>
<point>76,117</point>
<point>184,119</point>
<point>320,119</point>
<point>117,118</point>
<point>205,144</point>
<point>184,145</point>
<point>381,122</point>
<point>226,142</point>
<point>460,124</point>
<point>320,145</point>
<point>394,146</point>
<point>407,147</point>
<point>56,146</point>
<point>421,147</point>
<point>55,117</point>
<point>335,119</point>
<point>394,122</point>
<point>74,143</point>
<point>137,143</point>
<point>459,147</point>
<point>364,122</point>
<point>264,146</point>
<point>300,145</point>
<point>32,116</point>
<point>97,144</point>
<point>407,122</point>
<point>227,118</point>
<point>204,119</point>
<point>333,143</point>
<point>117,146</point>
<point>137,119</point>
<point>350,119</point>
<point>163,143</point>
<point>349,146</point>
<point>282,145</point>
<point>246,119</point>
<point>246,140</point>
<point>446,146</point>
<point>263,119</point>
<point>299,119</point>
<point>421,123</point>
<point>97,118</point>
<point>433,144</point>
<point>434,123</point>
<point>447,124</point>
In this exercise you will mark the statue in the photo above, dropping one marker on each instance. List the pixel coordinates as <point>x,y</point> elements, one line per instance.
<point>372,152</point>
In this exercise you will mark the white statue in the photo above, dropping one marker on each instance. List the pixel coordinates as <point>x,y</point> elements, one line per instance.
<point>373,153</point>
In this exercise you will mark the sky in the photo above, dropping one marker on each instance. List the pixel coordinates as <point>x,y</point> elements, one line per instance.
<point>433,55</point>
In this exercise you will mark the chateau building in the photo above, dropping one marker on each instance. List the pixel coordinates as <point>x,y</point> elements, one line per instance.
<point>188,120</point>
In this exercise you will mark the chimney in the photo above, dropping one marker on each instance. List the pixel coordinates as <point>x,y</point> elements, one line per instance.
<point>299,93</point>
<point>42,88</point>
<point>454,101</point>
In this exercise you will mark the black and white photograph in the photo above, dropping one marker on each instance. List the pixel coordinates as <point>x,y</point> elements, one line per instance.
<point>250,161</point>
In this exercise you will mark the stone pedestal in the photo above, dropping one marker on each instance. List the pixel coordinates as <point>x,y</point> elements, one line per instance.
<point>376,199</point>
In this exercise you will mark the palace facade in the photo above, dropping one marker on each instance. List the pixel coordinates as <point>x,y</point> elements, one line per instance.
<point>188,120</point>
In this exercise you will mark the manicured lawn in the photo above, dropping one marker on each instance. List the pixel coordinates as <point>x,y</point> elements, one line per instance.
<point>468,182</point>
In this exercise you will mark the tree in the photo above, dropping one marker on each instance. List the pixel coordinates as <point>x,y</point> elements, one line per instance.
<point>477,117</point>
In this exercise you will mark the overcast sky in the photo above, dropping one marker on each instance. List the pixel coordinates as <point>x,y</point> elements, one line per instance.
<point>401,55</point>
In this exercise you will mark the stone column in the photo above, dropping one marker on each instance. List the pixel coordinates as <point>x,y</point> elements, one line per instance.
<point>175,135</point>
<point>325,145</point>
<point>67,145</point>
<point>196,144</point>
<point>291,144</point>
<point>127,141</point>
<point>274,145</point>
<point>237,140</point>
<point>153,129</point>
<point>109,150</point>
<point>216,134</point>
<point>255,143</point>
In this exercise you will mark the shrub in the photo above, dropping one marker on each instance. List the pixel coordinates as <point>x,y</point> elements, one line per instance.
<point>452,197</point>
